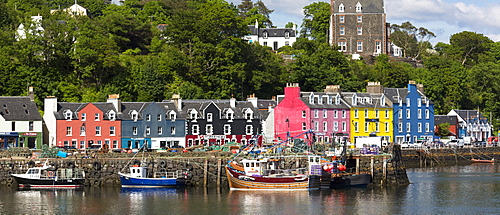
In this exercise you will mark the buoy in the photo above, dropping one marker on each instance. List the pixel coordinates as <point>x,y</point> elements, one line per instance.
<point>50,174</point>
<point>342,167</point>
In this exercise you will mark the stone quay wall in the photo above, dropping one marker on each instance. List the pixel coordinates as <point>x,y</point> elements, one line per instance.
<point>447,156</point>
<point>206,169</point>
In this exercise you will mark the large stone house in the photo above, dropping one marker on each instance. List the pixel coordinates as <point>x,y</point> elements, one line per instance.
<point>359,27</point>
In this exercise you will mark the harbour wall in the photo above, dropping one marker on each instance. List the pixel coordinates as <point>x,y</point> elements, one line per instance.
<point>447,156</point>
<point>206,169</point>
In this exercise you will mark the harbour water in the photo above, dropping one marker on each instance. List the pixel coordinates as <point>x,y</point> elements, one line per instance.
<point>471,189</point>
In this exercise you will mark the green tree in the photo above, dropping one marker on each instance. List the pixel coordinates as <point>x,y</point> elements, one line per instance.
<point>468,47</point>
<point>315,24</point>
<point>414,41</point>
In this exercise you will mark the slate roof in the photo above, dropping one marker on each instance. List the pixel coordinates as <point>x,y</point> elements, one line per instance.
<point>393,93</point>
<point>367,6</point>
<point>19,109</point>
<point>128,107</point>
<point>73,107</point>
<point>452,120</point>
<point>223,105</point>
<point>272,32</point>
<point>304,96</point>
<point>470,114</point>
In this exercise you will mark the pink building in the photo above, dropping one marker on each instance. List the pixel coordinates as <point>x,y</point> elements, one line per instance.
<point>325,113</point>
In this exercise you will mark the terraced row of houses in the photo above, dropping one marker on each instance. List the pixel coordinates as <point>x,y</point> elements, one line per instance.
<point>394,114</point>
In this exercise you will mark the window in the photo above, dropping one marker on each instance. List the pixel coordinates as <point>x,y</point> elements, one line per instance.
<point>135,116</point>
<point>287,43</point>
<point>386,126</point>
<point>209,117</point>
<point>342,46</point>
<point>115,144</point>
<point>248,116</point>
<point>265,35</point>
<point>31,125</point>
<point>82,131</point>
<point>66,143</point>
<point>335,114</point>
<point>227,129</point>
<point>427,114</point>
<point>341,19</point>
<point>419,127</point>
<point>112,116</point>
<point>173,115</point>
<point>316,126</point>
<point>134,130</point>
<point>377,114</point>
<point>67,115</point>
<point>304,127</point>
<point>265,44</point>
<point>84,116</point>
<point>148,130</point>
<point>377,126</point>
<point>356,127</point>
<point>335,126</point>
<point>426,127</point>
<point>287,34</point>
<point>196,129</point>
<point>360,18</point>
<point>68,131</point>
<point>172,130</point>
<point>344,126</point>
<point>303,114</point>
<point>387,114</point>
<point>378,47</point>
<point>407,102</point>
<point>400,114</point>
<point>341,8</point>
<point>400,127</point>
<point>344,114</point>
<point>355,113</point>
<point>366,126</point>
<point>209,129</point>
<point>325,113</point>
<point>408,127</point>
<point>82,144</point>
<point>342,30</point>
<point>360,30</point>
<point>316,113</point>
<point>407,113</point>
<point>360,46</point>
<point>419,102</point>
<point>419,113</point>
<point>112,131</point>
<point>160,130</point>
<point>366,113</point>
<point>358,7</point>
<point>98,130</point>
<point>148,117</point>
<point>158,117</point>
<point>249,129</point>
<point>96,117</point>
<point>230,116</point>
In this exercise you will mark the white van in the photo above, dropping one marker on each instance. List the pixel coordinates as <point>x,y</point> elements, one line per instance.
<point>457,143</point>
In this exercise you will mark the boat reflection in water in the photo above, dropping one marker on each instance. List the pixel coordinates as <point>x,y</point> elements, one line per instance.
<point>151,191</point>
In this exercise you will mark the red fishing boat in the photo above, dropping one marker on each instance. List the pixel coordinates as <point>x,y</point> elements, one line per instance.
<point>482,161</point>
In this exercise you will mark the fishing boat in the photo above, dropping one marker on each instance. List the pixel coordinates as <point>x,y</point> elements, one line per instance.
<point>140,177</point>
<point>264,174</point>
<point>482,161</point>
<point>48,176</point>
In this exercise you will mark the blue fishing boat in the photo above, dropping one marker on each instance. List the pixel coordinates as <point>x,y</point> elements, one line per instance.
<point>140,177</point>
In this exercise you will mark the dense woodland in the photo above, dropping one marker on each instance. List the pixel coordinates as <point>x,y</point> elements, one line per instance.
<point>201,54</point>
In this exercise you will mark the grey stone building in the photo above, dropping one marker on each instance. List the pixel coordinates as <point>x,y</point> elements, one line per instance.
<point>359,27</point>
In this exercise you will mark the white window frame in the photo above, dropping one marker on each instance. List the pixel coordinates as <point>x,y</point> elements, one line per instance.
<point>356,114</point>
<point>360,30</point>
<point>419,113</point>
<point>227,129</point>
<point>148,117</point>
<point>112,131</point>
<point>195,129</point>
<point>172,130</point>
<point>367,125</point>
<point>303,114</point>
<point>344,114</point>
<point>335,126</point>
<point>97,117</point>
<point>427,113</point>
<point>342,46</point>
<point>342,30</point>
<point>341,8</point>
<point>386,126</point>
<point>316,113</point>
<point>344,126</point>
<point>366,113</point>
<point>400,127</point>
<point>427,127</point>
<point>359,18</point>
<point>408,113</point>
<point>408,127</point>
<point>356,127</point>
<point>325,113</point>
<point>359,46</point>
<point>69,131</point>
<point>148,130</point>
<point>209,117</point>
<point>341,19</point>
<point>98,131</point>
<point>304,126</point>
<point>84,117</point>
<point>419,127</point>
<point>249,129</point>
<point>160,130</point>
<point>134,131</point>
<point>209,128</point>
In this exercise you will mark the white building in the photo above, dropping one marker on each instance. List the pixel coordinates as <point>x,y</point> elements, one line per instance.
<point>272,37</point>
<point>35,28</point>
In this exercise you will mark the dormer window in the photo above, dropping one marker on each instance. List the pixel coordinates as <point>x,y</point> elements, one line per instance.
<point>265,35</point>
<point>67,114</point>
<point>193,114</point>
<point>311,99</point>
<point>134,115</point>
<point>320,101</point>
<point>341,8</point>
<point>112,115</point>
<point>354,100</point>
<point>329,101</point>
<point>382,100</point>
<point>248,115</point>
<point>287,34</point>
<point>358,7</point>
<point>337,99</point>
<point>172,115</point>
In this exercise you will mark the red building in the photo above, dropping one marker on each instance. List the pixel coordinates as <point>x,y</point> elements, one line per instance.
<point>84,125</point>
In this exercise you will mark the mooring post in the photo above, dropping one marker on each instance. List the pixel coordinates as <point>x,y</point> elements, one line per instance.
<point>205,173</point>
<point>219,162</point>
<point>357,165</point>
<point>384,170</point>
<point>371,166</point>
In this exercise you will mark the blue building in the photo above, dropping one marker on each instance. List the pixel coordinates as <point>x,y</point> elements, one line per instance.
<point>413,113</point>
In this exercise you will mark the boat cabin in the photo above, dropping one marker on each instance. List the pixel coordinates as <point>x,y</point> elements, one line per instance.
<point>138,171</point>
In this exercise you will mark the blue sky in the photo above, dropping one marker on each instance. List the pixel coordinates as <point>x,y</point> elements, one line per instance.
<point>443,17</point>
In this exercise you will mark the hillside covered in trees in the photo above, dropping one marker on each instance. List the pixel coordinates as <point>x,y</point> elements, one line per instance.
<point>201,54</point>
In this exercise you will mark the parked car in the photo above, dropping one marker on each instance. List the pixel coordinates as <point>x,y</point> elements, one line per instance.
<point>405,145</point>
<point>456,143</point>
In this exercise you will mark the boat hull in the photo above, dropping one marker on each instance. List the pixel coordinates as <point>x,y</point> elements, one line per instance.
<point>49,182</point>
<point>239,181</point>
<point>482,161</point>
<point>128,181</point>
<point>359,180</point>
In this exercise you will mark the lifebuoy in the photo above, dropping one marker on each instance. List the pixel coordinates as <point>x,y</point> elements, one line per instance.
<point>50,174</point>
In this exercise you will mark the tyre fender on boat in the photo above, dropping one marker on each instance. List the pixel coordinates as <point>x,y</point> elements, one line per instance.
<point>50,173</point>
<point>96,165</point>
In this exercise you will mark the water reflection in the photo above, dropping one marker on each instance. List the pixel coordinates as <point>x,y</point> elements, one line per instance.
<point>440,190</point>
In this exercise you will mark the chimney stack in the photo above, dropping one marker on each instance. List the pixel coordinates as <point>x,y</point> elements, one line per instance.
<point>253,100</point>
<point>31,93</point>
<point>374,87</point>
<point>232,102</point>
<point>177,100</point>
<point>116,101</point>
<point>333,89</point>
<point>420,87</point>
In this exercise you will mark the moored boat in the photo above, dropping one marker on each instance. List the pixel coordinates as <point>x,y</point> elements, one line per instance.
<point>482,161</point>
<point>264,174</point>
<point>140,177</point>
<point>48,176</point>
